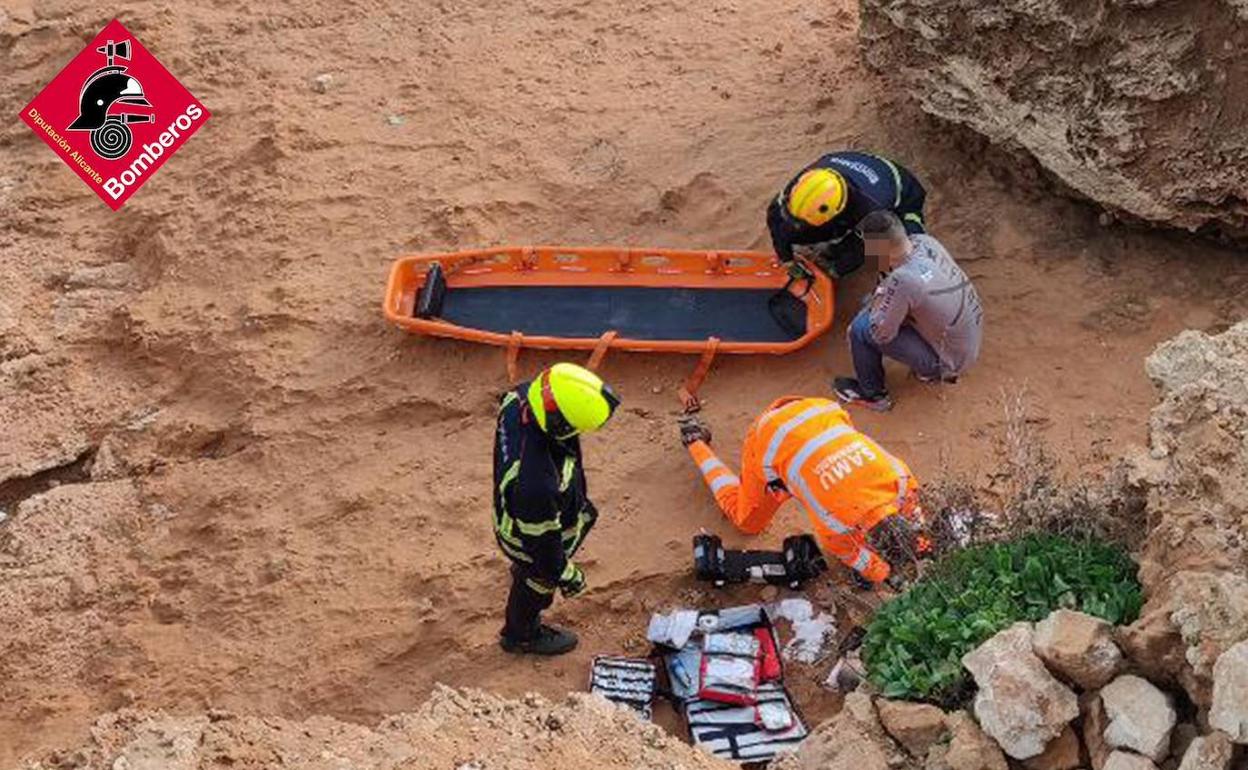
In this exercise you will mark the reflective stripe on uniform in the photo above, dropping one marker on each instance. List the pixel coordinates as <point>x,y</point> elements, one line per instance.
<point>503,522</point>
<point>913,217</point>
<point>572,537</point>
<point>727,480</point>
<point>514,553</point>
<point>863,561</point>
<point>575,532</point>
<point>896,179</point>
<point>539,586</point>
<point>538,529</point>
<point>777,438</point>
<point>710,464</point>
<point>797,482</point>
<point>569,468</point>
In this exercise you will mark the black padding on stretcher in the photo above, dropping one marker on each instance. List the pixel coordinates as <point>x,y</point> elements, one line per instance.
<point>643,313</point>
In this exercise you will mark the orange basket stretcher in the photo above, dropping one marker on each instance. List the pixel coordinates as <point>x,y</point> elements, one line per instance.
<point>601,298</point>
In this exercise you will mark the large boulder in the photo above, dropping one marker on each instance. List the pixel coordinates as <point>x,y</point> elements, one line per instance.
<point>1211,752</point>
<point>1019,703</point>
<point>916,726</point>
<point>1134,105</point>
<point>1062,753</point>
<point>1125,760</point>
<point>1078,647</point>
<point>1094,722</point>
<point>1140,716</point>
<point>1229,712</point>
<point>968,749</point>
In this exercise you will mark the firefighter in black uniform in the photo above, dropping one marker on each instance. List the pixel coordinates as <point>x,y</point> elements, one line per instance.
<point>542,512</point>
<point>822,206</point>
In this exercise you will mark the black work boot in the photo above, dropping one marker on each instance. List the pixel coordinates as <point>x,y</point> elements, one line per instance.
<point>548,640</point>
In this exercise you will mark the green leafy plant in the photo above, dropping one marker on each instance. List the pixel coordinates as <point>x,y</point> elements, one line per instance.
<point>915,643</point>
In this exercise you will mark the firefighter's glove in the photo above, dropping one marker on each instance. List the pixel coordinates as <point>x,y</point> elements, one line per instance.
<point>692,429</point>
<point>572,581</point>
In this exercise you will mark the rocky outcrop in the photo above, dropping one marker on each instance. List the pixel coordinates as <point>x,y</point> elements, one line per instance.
<point>1188,621</point>
<point>1229,712</point>
<point>1139,106</point>
<point>1196,478</point>
<point>1020,704</point>
<point>1079,648</point>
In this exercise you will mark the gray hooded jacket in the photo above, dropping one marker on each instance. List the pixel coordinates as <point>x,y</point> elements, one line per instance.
<point>932,294</point>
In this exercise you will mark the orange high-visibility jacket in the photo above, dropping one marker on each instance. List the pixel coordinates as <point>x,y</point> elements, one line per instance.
<point>809,449</point>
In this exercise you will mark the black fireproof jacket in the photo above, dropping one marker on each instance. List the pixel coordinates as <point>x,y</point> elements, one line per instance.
<point>542,510</point>
<point>873,182</point>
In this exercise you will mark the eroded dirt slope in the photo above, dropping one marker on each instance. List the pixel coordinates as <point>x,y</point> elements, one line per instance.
<point>230,485</point>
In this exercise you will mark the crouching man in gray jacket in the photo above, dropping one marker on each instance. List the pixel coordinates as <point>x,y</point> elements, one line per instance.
<point>924,313</point>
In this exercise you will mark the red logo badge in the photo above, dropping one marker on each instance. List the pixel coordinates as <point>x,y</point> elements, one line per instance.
<point>114,114</point>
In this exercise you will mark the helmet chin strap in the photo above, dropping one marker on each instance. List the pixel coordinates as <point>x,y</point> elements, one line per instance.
<point>556,425</point>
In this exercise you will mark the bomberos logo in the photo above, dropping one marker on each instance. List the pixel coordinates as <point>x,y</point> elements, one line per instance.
<point>115,114</point>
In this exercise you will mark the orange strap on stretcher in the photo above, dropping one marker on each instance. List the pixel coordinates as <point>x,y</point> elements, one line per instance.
<point>600,350</point>
<point>513,357</point>
<point>689,391</point>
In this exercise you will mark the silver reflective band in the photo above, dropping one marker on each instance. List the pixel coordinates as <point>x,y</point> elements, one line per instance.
<point>796,481</point>
<point>863,560</point>
<point>727,480</point>
<point>773,446</point>
<point>709,465</point>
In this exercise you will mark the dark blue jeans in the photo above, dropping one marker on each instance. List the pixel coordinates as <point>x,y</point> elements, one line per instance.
<point>907,347</point>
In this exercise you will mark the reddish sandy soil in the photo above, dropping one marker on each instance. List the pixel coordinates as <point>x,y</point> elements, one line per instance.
<point>287,507</point>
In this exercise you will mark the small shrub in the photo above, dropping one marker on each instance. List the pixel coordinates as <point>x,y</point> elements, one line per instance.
<point>915,643</point>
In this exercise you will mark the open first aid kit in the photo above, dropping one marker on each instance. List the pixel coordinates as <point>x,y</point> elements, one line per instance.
<point>727,678</point>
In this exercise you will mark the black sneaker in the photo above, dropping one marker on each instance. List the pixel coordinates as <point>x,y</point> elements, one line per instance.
<point>948,379</point>
<point>548,640</point>
<point>849,391</point>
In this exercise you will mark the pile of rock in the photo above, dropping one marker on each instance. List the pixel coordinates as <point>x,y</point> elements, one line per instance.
<point>1059,695</point>
<point>1062,695</point>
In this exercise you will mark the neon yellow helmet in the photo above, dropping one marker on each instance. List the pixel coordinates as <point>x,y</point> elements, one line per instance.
<point>817,196</point>
<point>568,399</point>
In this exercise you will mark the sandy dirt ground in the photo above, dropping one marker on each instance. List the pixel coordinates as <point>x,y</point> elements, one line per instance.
<point>229,484</point>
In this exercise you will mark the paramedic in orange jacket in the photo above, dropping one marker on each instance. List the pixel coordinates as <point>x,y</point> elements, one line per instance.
<point>807,448</point>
